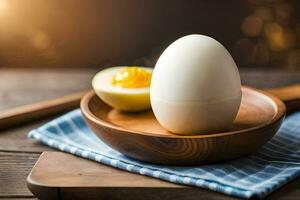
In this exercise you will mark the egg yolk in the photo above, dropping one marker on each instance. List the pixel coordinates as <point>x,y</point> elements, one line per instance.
<point>132,77</point>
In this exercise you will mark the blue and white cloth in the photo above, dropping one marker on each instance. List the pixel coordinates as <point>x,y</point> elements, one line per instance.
<point>255,176</point>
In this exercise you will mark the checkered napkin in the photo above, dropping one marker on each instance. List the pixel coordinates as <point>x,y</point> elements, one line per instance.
<point>255,176</point>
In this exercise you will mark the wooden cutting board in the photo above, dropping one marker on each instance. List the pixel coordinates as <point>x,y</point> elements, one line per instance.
<point>58,175</point>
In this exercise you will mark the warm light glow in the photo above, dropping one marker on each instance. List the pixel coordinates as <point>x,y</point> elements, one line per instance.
<point>271,35</point>
<point>41,41</point>
<point>3,5</point>
<point>283,10</point>
<point>252,26</point>
<point>274,35</point>
<point>279,38</point>
<point>264,13</point>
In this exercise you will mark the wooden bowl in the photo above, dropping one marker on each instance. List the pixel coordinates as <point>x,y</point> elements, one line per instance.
<point>140,136</point>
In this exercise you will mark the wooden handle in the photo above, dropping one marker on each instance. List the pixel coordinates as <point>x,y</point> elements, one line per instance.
<point>17,116</point>
<point>290,95</point>
<point>29,113</point>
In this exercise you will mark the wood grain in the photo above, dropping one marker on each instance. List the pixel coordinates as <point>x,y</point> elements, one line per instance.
<point>14,168</point>
<point>140,136</point>
<point>15,139</point>
<point>19,87</point>
<point>31,112</point>
<point>24,86</point>
<point>102,182</point>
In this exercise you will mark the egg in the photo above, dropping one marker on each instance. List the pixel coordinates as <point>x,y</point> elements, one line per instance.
<point>124,88</point>
<point>195,86</point>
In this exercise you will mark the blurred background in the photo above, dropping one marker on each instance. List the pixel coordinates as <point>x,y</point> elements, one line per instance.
<point>100,33</point>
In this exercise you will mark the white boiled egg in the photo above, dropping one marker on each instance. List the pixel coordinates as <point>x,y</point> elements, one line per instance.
<point>195,86</point>
<point>124,88</point>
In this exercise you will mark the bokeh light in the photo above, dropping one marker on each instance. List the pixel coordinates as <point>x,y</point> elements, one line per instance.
<point>283,11</point>
<point>3,6</point>
<point>274,33</point>
<point>41,41</point>
<point>252,26</point>
<point>264,13</point>
<point>262,33</point>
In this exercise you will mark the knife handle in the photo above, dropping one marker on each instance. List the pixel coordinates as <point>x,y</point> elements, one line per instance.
<point>290,95</point>
<point>36,111</point>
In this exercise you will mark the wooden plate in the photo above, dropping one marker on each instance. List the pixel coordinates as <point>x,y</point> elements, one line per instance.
<point>139,135</point>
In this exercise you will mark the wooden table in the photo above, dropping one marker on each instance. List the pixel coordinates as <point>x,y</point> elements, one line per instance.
<point>23,86</point>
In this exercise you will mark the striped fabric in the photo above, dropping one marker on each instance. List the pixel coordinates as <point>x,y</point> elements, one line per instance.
<point>255,176</point>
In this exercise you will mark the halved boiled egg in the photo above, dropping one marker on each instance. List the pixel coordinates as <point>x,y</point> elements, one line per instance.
<point>124,88</point>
